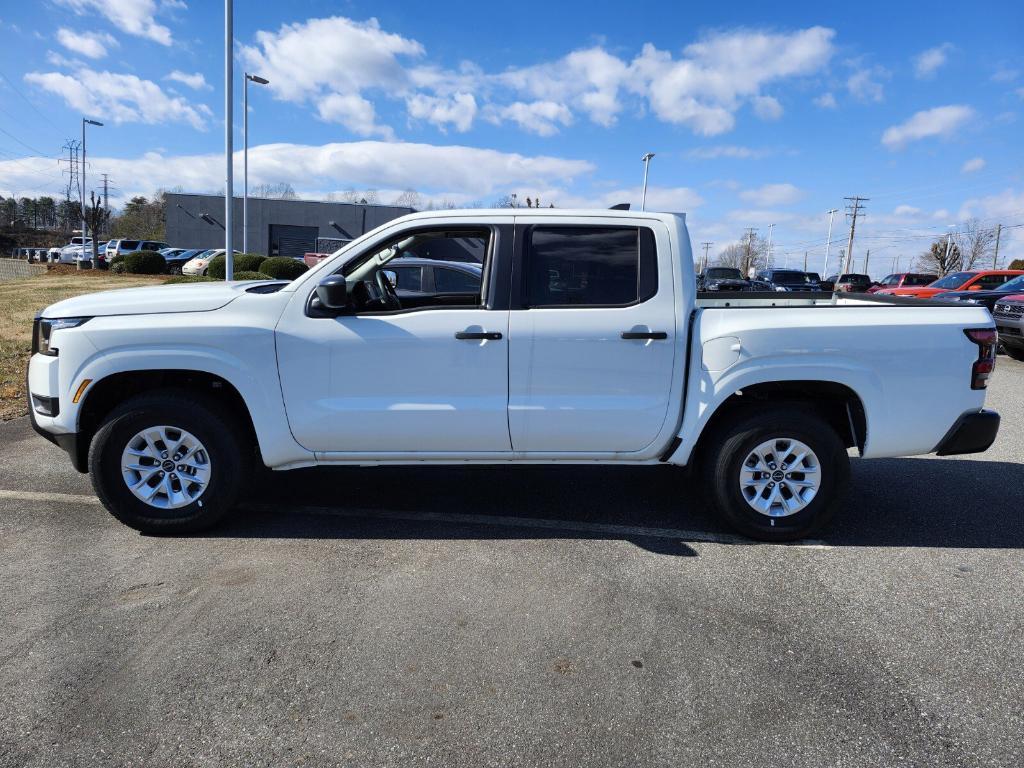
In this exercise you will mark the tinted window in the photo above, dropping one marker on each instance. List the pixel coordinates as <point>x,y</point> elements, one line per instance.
<point>790,278</point>
<point>130,245</point>
<point>919,280</point>
<point>953,281</point>
<point>723,273</point>
<point>991,281</point>
<point>892,280</point>
<point>454,281</point>
<point>592,266</point>
<point>408,278</point>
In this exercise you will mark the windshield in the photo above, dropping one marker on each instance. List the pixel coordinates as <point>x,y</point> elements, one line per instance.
<point>723,273</point>
<point>1016,284</point>
<point>954,280</point>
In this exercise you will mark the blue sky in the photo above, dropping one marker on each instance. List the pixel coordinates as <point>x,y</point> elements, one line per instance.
<point>759,114</point>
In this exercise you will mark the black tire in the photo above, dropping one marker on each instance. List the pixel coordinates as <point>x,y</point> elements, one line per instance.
<point>183,410</point>
<point>739,435</point>
<point>1017,353</point>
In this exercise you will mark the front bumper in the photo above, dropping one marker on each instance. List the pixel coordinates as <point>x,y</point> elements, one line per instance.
<point>69,441</point>
<point>972,433</point>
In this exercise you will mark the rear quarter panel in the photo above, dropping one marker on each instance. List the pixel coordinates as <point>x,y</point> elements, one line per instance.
<point>910,366</point>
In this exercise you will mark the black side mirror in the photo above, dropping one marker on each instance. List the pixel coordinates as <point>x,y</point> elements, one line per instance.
<point>333,293</point>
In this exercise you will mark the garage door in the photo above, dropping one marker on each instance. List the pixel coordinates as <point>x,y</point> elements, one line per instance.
<point>293,241</point>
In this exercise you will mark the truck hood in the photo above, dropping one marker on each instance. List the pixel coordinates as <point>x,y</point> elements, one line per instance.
<point>185,297</point>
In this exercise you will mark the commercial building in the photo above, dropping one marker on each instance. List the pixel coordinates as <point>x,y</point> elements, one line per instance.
<point>276,227</point>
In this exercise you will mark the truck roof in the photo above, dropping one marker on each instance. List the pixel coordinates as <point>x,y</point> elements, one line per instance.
<point>580,212</point>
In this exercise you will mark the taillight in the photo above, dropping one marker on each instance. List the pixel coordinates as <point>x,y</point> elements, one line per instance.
<point>987,340</point>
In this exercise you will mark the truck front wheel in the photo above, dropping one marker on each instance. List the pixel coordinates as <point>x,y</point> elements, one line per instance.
<point>777,474</point>
<point>168,462</point>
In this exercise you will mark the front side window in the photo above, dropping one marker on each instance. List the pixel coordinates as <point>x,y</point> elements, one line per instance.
<point>989,282</point>
<point>453,281</point>
<point>589,266</point>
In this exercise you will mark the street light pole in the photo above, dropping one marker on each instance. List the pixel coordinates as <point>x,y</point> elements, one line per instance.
<point>229,144</point>
<point>245,156</point>
<point>828,242</point>
<point>643,198</point>
<point>85,121</point>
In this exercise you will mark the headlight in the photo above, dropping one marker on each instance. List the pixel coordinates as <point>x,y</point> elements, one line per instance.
<point>43,328</point>
<point>781,289</point>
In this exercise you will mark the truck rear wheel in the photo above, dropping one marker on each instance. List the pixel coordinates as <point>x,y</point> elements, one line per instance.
<point>777,474</point>
<point>166,463</point>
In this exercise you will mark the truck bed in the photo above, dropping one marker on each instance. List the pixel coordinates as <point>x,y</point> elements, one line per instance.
<point>749,299</point>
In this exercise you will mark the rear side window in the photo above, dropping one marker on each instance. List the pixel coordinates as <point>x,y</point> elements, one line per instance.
<point>130,245</point>
<point>590,266</point>
<point>454,281</point>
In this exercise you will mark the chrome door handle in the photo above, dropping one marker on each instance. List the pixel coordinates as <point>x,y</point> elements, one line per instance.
<point>644,335</point>
<point>489,335</point>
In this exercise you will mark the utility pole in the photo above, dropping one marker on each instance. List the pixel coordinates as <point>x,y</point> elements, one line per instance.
<point>704,265</point>
<point>768,251</point>
<point>643,197</point>
<point>995,256</point>
<point>746,259</point>
<point>805,261</point>
<point>71,146</point>
<point>867,258</point>
<point>855,209</point>
<point>949,241</point>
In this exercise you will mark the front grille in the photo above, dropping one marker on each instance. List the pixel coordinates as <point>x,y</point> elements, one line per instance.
<point>1009,311</point>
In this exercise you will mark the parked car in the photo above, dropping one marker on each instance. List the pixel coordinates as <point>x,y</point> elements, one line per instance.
<point>985,298</point>
<point>823,285</point>
<point>903,280</point>
<point>124,247</point>
<point>200,263</point>
<point>70,252</point>
<point>426,281</point>
<point>585,343</point>
<point>850,283</point>
<point>722,279</point>
<point>975,280</point>
<point>85,257</point>
<point>787,280</point>
<point>1008,313</point>
<point>177,258</point>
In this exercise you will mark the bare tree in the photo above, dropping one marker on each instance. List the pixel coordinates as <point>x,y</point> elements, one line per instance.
<point>942,258</point>
<point>282,191</point>
<point>95,220</point>
<point>975,243</point>
<point>745,255</point>
<point>410,198</point>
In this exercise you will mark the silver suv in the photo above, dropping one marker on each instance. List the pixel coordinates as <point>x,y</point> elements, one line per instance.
<point>122,247</point>
<point>1009,316</point>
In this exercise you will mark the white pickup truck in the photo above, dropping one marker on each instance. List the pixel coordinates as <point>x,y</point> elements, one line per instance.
<point>579,337</point>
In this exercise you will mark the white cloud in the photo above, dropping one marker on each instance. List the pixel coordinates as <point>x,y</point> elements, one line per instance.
<point>928,62</point>
<point>767,107</point>
<point>826,101</point>
<point>940,121</point>
<point>540,117</point>
<point>121,98</point>
<point>196,81</point>
<point>135,17</point>
<point>906,210</point>
<point>93,45</point>
<point>972,165</point>
<point>864,84</point>
<point>728,150</point>
<point>772,194</point>
<point>59,60</point>
<point>458,111</point>
<point>588,79</point>
<point>469,172</point>
<point>354,112</point>
<point>705,87</point>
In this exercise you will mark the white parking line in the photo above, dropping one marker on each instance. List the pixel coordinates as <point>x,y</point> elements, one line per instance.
<point>603,529</point>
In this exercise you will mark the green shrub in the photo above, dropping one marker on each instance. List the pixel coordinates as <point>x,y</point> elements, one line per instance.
<point>244,262</point>
<point>283,268</point>
<point>145,263</point>
<point>249,275</point>
<point>118,259</point>
<point>118,268</point>
<point>189,279</point>
<point>1017,264</point>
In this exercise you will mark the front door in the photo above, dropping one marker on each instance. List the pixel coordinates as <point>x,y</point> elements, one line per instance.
<point>592,337</point>
<point>398,381</point>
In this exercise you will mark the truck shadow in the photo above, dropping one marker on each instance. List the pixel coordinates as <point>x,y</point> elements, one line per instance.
<point>923,502</point>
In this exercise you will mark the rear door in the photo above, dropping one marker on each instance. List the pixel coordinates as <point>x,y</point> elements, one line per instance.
<point>592,335</point>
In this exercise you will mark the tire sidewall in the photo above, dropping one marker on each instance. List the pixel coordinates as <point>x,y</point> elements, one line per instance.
<point>105,466</point>
<point>753,431</point>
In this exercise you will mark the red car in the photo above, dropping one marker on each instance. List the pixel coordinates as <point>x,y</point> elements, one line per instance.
<point>903,280</point>
<point>978,280</point>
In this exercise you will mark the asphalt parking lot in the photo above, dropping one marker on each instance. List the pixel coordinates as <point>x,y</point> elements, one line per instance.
<point>517,616</point>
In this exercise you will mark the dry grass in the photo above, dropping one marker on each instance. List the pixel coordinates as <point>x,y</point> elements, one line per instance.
<point>20,300</point>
